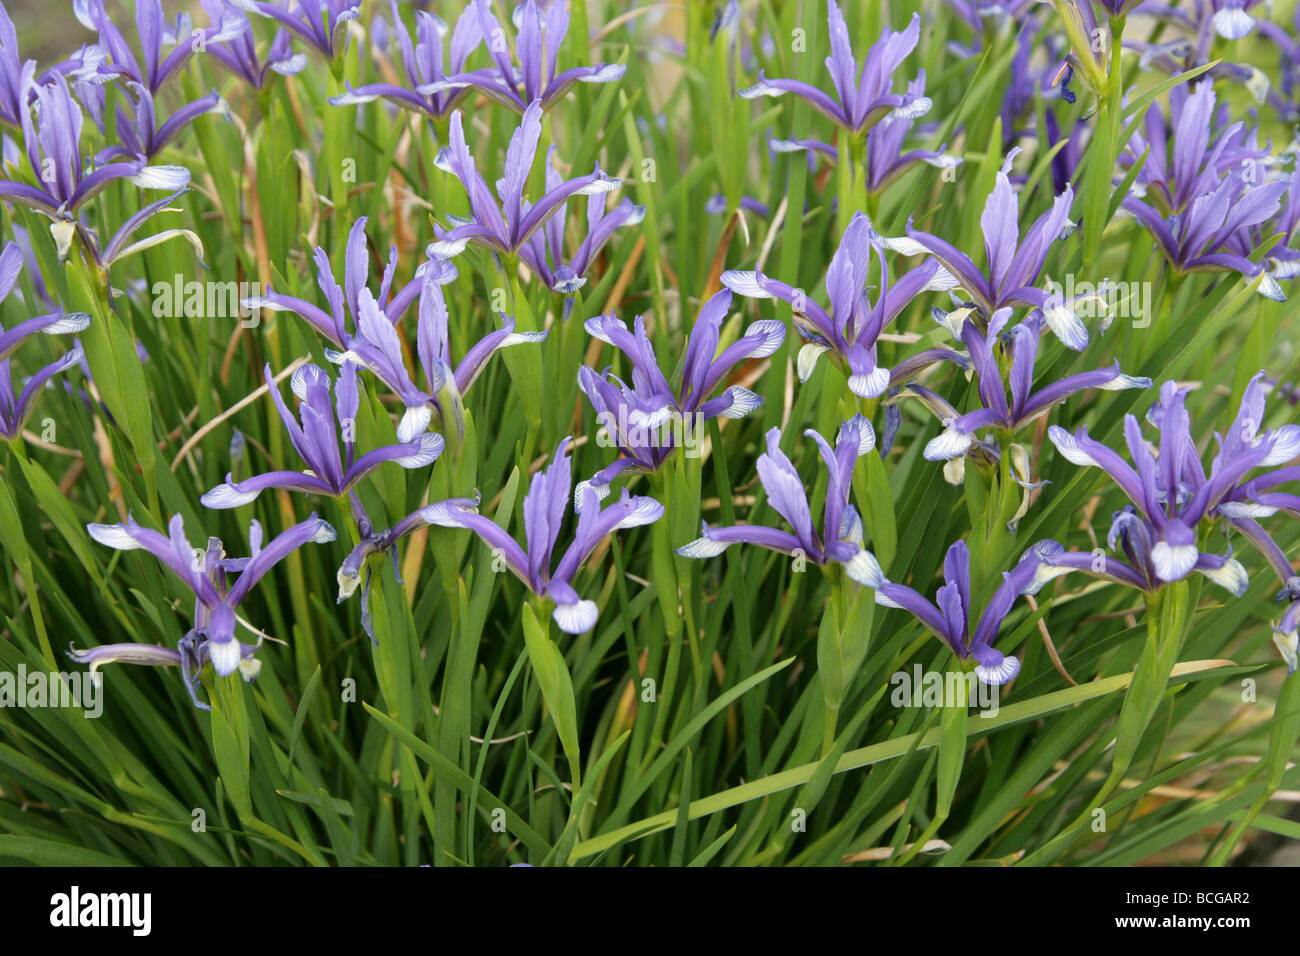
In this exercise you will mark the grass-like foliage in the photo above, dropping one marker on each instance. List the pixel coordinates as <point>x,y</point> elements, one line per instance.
<point>585,433</point>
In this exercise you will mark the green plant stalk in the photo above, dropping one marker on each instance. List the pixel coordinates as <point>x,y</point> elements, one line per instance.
<point>842,642</point>
<point>850,171</point>
<point>552,674</point>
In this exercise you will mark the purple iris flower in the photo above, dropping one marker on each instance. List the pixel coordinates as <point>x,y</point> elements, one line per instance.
<point>840,542</point>
<point>854,325</point>
<point>155,34</point>
<point>544,509</point>
<point>1199,199</point>
<point>238,55</point>
<point>15,408</point>
<point>949,618</point>
<point>207,573</point>
<point>139,133</point>
<point>65,184</point>
<point>886,160</point>
<point>316,22</point>
<point>545,247</point>
<point>1171,492</point>
<point>1138,540</point>
<point>505,225</point>
<point>1205,145</point>
<point>1014,261</point>
<point>317,442</point>
<point>862,96</point>
<point>343,302</point>
<point>634,415</point>
<point>1021,344</point>
<point>540,34</point>
<point>423,62</point>
<point>373,342</point>
<point>377,347</point>
<point>1244,503</point>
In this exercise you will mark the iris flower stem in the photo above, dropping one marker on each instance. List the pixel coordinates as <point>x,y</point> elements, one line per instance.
<point>525,370</point>
<point>1168,616</point>
<point>834,697</point>
<point>334,151</point>
<point>1172,283</point>
<point>842,644</point>
<point>852,179</point>
<point>989,512</point>
<point>552,674</point>
<point>665,575</point>
<point>446,553</point>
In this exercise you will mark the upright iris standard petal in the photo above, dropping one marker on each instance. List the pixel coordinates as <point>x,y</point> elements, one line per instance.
<point>863,96</point>
<point>426,64</point>
<point>505,223</point>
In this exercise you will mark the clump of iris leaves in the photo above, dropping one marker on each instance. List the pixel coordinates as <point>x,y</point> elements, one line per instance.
<point>835,236</point>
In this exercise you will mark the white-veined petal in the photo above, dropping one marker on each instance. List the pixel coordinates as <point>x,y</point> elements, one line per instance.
<point>807,361</point>
<point>225,656</point>
<point>1008,669</point>
<point>745,282</point>
<point>871,385</point>
<point>743,401</point>
<point>1173,562</point>
<point>947,445</point>
<point>865,569</point>
<point>703,548</point>
<point>113,536</point>
<point>431,444</point>
<point>1232,577</point>
<point>577,618</point>
<point>415,421</point>
<point>227,496</point>
<point>1068,447</point>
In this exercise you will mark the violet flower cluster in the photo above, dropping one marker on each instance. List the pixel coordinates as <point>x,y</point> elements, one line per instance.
<point>1207,193</point>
